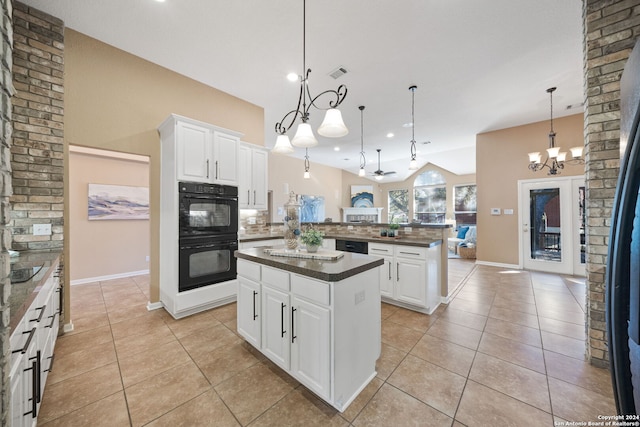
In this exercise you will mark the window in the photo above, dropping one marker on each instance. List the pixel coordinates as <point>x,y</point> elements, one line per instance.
<point>430,197</point>
<point>464,204</point>
<point>398,206</point>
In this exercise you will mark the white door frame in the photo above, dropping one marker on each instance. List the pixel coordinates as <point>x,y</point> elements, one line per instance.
<point>569,223</point>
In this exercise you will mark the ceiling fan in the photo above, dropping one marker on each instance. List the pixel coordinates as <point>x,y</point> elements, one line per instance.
<point>379,174</point>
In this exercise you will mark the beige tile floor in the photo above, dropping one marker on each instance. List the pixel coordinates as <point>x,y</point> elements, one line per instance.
<point>507,350</point>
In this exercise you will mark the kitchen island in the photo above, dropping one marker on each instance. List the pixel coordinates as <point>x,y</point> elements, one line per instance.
<point>319,320</point>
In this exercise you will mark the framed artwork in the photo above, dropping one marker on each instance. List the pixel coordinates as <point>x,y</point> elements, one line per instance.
<point>362,196</point>
<point>106,202</point>
<point>312,208</point>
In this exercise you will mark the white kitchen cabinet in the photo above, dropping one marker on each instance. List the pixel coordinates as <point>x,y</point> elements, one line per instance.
<point>253,177</point>
<point>324,334</point>
<point>193,143</point>
<point>200,152</point>
<point>248,317</point>
<point>311,345</point>
<point>32,343</point>
<point>410,275</point>
<point>225,158</point>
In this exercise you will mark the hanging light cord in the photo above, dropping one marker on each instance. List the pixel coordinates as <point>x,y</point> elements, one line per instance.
<point>552,134</point>
<point>363,160</point>
<point>413,122</point>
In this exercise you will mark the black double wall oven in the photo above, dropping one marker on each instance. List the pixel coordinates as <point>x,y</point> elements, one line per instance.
<point>208,234</point>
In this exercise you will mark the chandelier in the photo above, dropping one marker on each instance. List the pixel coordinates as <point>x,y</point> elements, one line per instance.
<point>413,164</point>
<point>363,160</point>
<point>332,126</point>
<point>555,159</point>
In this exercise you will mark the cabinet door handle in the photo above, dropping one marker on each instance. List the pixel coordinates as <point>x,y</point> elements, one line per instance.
<point>293,334</point>
<point>207,168</point>
<point>34,386</point>
<point>53,321</point>
<point>38,359</point>
<point>254,197</point>
<point>410,253</point>
<point>216,169</point>
<point>53,358</point>
<point>389,270</point>
<point>24,349</point>
<point>282,331</point>
<point>255,315</point>
<point>39,318</point>
<point>60,291</point>
<point>398,271</point>
<point>249,196</point>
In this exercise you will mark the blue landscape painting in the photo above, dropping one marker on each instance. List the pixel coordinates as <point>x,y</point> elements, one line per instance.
<point>312,208</point>
<point>118,202</point>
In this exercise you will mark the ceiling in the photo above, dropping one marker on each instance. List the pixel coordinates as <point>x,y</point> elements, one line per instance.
<point>479,65</point>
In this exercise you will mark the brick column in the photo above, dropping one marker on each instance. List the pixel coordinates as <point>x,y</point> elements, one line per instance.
<point>38,111</point>
<point>6,93</point>
<point>611,28</point>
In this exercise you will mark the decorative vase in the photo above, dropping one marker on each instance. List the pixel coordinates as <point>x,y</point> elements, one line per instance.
<point>292,222</point>
<point>312,249</point>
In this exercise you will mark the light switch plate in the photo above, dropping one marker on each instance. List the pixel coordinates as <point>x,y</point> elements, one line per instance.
<point>508,211</point>
<point>495,211</point>
<point>42,229</point>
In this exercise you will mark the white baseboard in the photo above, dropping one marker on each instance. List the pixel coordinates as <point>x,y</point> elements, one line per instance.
<point>154,306</point>
<point>109,277</point>
<point>498,264</point>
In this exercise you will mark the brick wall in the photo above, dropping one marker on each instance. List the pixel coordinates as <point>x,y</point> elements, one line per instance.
<point>611,28</point>
<point>38,109</point>
<point>6,92</point>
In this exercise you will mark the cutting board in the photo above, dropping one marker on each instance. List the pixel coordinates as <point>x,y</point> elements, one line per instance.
<point>322,254</point>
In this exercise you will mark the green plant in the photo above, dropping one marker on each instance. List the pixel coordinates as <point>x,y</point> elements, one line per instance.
<point>394,226</point>
<point>312,237</point>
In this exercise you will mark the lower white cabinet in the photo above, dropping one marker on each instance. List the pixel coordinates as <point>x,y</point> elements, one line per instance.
<point>410,276</point>
<point>32,343</point>
<point>324,334</point>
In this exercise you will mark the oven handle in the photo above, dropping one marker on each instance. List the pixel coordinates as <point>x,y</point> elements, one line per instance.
<point>229,245</point>
<point>210,197</point>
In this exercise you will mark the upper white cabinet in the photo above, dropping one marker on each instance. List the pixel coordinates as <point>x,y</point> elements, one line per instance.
<point>253,186</point>
<point>201,152</point>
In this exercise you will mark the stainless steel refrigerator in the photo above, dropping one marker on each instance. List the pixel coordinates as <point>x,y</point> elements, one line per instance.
<point>623,262</point>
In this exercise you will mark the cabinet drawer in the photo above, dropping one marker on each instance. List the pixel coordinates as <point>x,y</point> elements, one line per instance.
<point>380,249</point>
<point>275,278</point>
<point>309,289</point>
<point>248,269</point>
<point>415,252</point>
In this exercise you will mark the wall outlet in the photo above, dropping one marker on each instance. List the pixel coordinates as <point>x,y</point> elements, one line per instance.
<point>508,211</point>
<point>349,227</point>
<point>146,258</point>
<point>42,229</point>
<point>407,229</point>
<point>495,211</point>
<point>251,220</point>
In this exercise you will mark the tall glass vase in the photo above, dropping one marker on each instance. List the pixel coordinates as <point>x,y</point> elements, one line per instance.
<point>292,222</point>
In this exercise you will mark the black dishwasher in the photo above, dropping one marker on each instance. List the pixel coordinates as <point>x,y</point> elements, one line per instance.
<point>352,246</point>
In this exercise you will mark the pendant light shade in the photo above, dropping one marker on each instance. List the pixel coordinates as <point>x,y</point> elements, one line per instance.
<point>576,152</point>
<point>413,165</point>
<point>283,145</point>
<point>333,126</point>
<point>361,172</point>
<point>304,136</point>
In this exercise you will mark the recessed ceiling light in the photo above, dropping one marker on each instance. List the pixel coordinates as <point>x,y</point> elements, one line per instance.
<point>336,148</point>
<point>407,125</point>
<point>292,77</point>
<point>160,1</point>
<point>390,135</point>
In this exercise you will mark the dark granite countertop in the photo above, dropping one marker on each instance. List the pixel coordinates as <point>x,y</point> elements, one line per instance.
<point>329,271</point>
<point>402,240</point>
<point>29,272</point>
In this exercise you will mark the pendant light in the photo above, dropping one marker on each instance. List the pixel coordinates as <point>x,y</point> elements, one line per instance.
<point>332,126</point>
<point>363,160</point>
<point>413,164</point>
<point>555,159</point>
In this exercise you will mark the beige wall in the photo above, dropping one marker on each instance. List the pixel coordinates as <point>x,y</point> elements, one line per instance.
<point>501,160</point>
<point>124,243</point>
<point>115,101</point>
